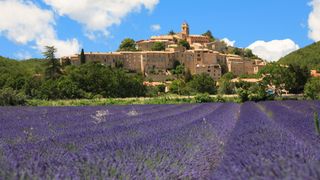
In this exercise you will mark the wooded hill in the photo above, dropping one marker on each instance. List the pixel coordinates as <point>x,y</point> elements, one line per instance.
<point>308,56</point>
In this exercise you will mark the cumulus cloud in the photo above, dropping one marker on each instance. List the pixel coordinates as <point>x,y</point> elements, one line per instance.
<point>22,22</point>
<point>314,21</point>
<point>21,55</point>
<point>98,15</point>
<point>155,27</point>
<point>228,42</point>
<point>273,50</point>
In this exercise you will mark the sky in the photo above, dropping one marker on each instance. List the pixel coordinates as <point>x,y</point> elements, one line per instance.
<point>271,28</point>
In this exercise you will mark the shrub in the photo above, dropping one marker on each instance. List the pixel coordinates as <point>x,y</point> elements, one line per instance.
<point>243,95</point>
<point>203,98</point>
<point>10,97</point>
<point>220,99</point>
<point>203,83</point>
<point>312,89</point>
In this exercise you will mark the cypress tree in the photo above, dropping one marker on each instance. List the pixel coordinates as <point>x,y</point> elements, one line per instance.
<point>82,57</point>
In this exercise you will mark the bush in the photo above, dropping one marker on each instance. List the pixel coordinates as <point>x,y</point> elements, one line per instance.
<point>219,98</point>
<point>312,89</point>
<point>243,95</point>
<point>203,83</point>
<point>203,98</point>
<point>10,97</point>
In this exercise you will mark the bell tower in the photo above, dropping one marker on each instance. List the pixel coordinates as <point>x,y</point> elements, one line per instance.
<point>185,31</point>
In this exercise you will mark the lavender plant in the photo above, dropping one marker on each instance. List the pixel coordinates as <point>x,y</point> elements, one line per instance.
<point>190,141</point>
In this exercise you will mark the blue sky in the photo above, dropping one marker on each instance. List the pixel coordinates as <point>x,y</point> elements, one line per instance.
<point>75,24</point>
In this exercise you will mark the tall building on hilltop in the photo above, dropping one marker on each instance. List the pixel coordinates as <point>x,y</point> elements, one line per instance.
<point>185,31</point>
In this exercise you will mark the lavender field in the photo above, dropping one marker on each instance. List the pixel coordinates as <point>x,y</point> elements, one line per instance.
<point>267,140</point>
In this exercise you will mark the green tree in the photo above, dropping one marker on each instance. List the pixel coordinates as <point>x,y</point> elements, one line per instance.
<point>177,86</point>
<point>49,90</point>
<point>53,70</point>
<point>249,54</point>
<point>119,64</point>
<point>98,79</point>
<point>11,97</point>
<point>301,76</point>
<point>158,46</point>
<point>187,75</point>
<point>209,35</point>
<point>225,84</point>
<point>66,62</point>
<point>176,63</point>
<point>312,89</point>
<point>185,44</point>
<point>171,32</point>
<point>277,76</point>
<point>127,45</point>
<point>68,89</point>
<point>82,57</point>
<point>179,70</point>
<point>203,83</point>
<point>226,87</point>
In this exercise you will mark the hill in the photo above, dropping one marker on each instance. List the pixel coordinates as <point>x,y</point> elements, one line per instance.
<point>30,66</point>
<point>308,56</point>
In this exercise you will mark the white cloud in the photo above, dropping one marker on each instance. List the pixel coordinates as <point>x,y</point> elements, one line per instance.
<point>21,55</point>
<point>22,22</point>
<point>228,42</point>
<point>314,21</point>
<point>155,27</point>
<point>98,15</point>
<point>273,50</point>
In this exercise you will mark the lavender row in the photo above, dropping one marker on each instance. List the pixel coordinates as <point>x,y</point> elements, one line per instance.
<point>182,152</point>
<point>261,149</point>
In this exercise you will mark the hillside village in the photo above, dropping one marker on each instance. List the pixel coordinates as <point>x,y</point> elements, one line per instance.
<point>201,55</point>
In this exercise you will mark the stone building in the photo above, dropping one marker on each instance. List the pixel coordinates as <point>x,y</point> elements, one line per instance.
<point>239,66</point>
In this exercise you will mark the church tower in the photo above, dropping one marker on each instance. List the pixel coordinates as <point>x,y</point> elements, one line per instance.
<point>185,30</point>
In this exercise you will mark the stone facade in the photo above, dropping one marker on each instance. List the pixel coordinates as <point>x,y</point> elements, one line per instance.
<point>238,65</point>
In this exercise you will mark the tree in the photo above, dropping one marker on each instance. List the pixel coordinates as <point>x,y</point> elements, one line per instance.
<point>312,89</point>
<point>226,86</point>
<point>82,57</point>
<point>203,83</point>
<point>249,54</point>
<point>66,62</point>
<point>177,86</point>
<point>11,97</point>
<point>53,70</point>
<point>187,75</point>
<point>185,44</point>
<point>277,76</point>
<point>171,32</point>
<point>127,45</point>
<point>119,64</point>
<point>68,89</point>
<point>158,46</point>
<point>176,63</point>
<point>179,70</point>
<point>209,35</point>
<point>301,76</point>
